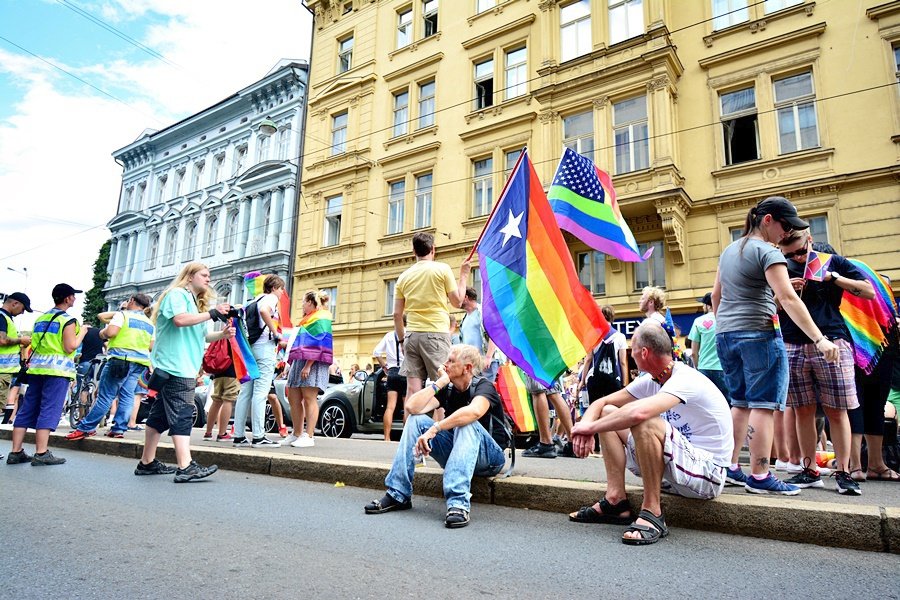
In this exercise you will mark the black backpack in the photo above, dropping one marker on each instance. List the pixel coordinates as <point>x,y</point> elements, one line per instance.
<point>251,318</point>
<point>605,378</point>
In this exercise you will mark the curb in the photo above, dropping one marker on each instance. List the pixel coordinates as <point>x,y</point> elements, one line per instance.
<point>859,527</point>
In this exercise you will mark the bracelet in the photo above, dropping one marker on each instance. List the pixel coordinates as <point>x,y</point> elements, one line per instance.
<point>816,343</point>
<point>435,388</point>
<point>437,426</point>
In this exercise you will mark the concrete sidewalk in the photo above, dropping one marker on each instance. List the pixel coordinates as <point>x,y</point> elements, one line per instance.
<point>817,516</point>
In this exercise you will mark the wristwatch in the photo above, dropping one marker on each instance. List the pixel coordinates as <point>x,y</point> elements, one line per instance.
<point>834,275</point>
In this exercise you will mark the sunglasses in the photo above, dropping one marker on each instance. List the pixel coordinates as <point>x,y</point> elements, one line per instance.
<point>786,226</point>
<point>799,252</point>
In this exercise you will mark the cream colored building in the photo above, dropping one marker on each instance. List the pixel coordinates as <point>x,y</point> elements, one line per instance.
<point>699,108</point>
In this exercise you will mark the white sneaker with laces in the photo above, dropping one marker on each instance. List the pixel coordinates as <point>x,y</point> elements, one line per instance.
<point>782,465</point>
<point>794,468</point>
<point>289,440</point>
<point>304,441</point>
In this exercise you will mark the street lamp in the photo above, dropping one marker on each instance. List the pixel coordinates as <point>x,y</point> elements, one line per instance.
<point>268,126</point>
<point>22,271</point>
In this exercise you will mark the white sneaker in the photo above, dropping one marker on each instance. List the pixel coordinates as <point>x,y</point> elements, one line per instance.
<point>794,468</point>
<point>782,465</point>
<point>304,441</point>
<point>289,440</point>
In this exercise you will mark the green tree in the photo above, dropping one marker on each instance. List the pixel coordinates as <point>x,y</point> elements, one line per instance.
<point>94,302</point>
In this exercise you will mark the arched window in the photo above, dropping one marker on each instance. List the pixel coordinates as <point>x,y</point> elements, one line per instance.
<point>152,250</point>
<point>265,224</point>
<point>209,242</point>
<point>171,243</point>
<point>231,231</point>
<point>190,241</point>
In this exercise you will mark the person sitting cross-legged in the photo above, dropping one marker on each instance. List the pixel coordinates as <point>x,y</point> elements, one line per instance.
<point>468,441</point>
<point>686,451</point>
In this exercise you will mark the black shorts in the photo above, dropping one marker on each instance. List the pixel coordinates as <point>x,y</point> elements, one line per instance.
<point>396,382</point>
<point>173,407</point>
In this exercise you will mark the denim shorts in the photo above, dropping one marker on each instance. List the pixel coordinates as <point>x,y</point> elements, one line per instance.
<point>756,368</point>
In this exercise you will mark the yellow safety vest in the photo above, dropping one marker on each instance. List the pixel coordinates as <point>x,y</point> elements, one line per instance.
<point>9,355</point>
<point>49,356</point>
<point>132,343</point>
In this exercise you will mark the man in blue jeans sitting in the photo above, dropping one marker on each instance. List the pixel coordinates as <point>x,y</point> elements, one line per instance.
<point>468,441</point>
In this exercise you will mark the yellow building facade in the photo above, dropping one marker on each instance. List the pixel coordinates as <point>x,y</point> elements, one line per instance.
<point>698,108</point>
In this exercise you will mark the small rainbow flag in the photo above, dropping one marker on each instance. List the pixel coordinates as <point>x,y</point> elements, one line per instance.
<point>313,340</point>
<point>583,200</point>
<point>869,320</point>
<point>245,367</point>
<point>284,310</point>
<point>515,397</point>
<point>816,265</point>
<point>253,283</point>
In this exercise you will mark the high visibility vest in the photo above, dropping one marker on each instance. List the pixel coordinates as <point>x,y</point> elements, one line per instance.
<point>132,343</point>
<point>9,355</point>
<point>49,356</point>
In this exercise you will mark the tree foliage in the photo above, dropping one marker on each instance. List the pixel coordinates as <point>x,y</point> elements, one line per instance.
<point>94,301</point>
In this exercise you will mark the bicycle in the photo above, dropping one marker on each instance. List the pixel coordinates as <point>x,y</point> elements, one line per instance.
<point>84,392</point>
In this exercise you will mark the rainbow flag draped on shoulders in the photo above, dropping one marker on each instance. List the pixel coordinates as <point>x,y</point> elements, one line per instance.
<point>583,200</point>
<point>313,339</point>
<point>869,321</point>
<point>245,367</point>
<point>516,399</point>
<point>534,307</point>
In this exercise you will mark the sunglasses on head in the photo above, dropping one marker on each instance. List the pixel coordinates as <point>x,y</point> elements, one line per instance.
<point>797,252</point>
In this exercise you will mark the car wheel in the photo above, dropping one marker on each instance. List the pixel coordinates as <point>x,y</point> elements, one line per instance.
<point>270,424</point>
<point>199,414</point>
<point>334,421</point>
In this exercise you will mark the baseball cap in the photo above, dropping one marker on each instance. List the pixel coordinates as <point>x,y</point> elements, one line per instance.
<point>780,208</point>
<point>19,296</point>
<point>63,290</point>
<point>706,299</point>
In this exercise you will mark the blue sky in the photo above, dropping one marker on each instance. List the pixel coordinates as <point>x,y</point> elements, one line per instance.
<point>57,133</point>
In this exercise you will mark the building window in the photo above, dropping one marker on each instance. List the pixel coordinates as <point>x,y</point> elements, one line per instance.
<point>171,243</point>
<point>152,250</point>
<point>209,242</point>
<point>426,104</point>
<point>729,12</point>
<point>345,54</point>
<point>740,128</point>
<point>161,189</point>
<point>592,271</point>
<point>423,201</point>
<point>578,134</point>
<point>430,16</point>
<point>395,206</point>
<point>197,177</point>
<point>240,157</point>
<point>796,108</point>
<point>218,163</point>
<point>484,84</point>
<point>404,28</point>
<point>262,148</point>
<point>575,29</point>
<point>653,270</point>
<point>177,183</point>
<point>626,20</point>
<point>476,281</point>
<point>483,184</point>
<point>776,5</point>
<point>333,208</point>
<point>332,294</point>
<point>267,214</point>
<point>401,113</point>
<point>127,199</point>
<point>897,62</point>
<point>142,191</point>
<point>231,232</point>
<point>284,143</point>
<point>483,5</point>
<point>190,240</point>
<point>389,287</point>
<point>516,73</point>
<point>510,158</point>
<point>818,228</point>
<point>631,135</point>
<point>339,133</point>
<point>736,233</point>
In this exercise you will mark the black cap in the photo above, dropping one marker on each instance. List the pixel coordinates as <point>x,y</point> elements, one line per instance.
<point>780,208</point>
<point>706,299</point>
<point>20,297</point>
<point>63,290</point>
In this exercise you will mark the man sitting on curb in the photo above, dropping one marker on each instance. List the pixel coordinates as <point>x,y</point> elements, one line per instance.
<point>687,450</point>
<point>468,441</point>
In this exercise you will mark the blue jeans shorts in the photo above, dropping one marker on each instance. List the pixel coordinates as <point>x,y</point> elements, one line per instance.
<point>756,368</point>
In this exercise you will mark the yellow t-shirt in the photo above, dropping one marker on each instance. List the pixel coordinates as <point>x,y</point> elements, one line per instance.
<point>425,286</point>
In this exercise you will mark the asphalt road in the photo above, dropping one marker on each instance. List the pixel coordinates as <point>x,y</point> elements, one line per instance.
<point>90,529</point>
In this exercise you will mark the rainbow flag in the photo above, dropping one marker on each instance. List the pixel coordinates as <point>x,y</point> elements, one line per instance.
<point>245,367</point>
<point>816,265</point>
<point>313,340</point>
<point>584,201</point>
<point>534,307</point>
<point>869,321</point>
<point>515,397</point>
<point>284,310</point>
<point>253,283</point>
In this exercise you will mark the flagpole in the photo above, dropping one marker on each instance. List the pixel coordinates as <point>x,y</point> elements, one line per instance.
<point>496,204</point>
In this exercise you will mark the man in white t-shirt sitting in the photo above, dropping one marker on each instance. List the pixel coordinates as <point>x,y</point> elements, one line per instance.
<point>687,450</point>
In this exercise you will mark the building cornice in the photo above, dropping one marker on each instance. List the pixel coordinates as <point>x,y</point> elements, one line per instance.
<point>763,45</point>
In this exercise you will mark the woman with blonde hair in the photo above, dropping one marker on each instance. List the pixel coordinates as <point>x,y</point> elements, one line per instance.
<point>181,314</point>
<point>310,356</point>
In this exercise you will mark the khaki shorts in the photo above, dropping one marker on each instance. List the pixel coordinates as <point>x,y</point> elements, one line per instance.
<point>424,354</point>
<point>5,380</point>
<point>225,389</point>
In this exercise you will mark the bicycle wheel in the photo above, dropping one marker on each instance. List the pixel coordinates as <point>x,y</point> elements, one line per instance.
<point>90,395</point>
<point>73,405</point>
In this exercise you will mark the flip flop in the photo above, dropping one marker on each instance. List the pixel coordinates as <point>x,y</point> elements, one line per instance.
<point>649,535</point>
<point>609,513</point>
<point>885,475</point>
<point>136,428</point>
<point>860,477</point>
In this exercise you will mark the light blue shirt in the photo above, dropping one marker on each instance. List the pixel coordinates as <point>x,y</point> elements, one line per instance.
<point>471,330</point>
<point>178,350</point>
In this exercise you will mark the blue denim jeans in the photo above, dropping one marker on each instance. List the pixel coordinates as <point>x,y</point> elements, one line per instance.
<point>255,393</point>
<point>462,452</point>
<point>717,376</point>
<point>756,368</point>
<point>107,390</point>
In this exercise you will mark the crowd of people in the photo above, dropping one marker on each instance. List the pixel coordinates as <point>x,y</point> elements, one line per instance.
<point>770,353</point>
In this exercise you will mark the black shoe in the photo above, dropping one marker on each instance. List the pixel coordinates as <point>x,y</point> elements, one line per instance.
<point>193,472</point>
<point>845,484</point>
<point>541,450</point>
<point>18,458</point>
<point>154,468</point>
<point>567,451</point>
<point>386,504</point>
<point>47,458</point>
<point>456,518</point>
<point>807,478</point>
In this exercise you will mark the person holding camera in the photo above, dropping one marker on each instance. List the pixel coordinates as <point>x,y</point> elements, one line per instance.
<point>130,337</point>
<point>181,314</point>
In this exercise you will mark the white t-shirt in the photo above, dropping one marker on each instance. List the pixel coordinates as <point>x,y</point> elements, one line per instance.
<point>269,301</point>
<point>703,416</point>
<point>387,348</point>
<point>657,316</point>
<point>118,319</point>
